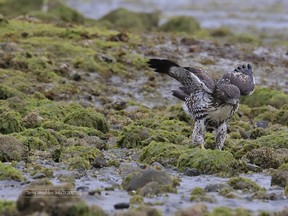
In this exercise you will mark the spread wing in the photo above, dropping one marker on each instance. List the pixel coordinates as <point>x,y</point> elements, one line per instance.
<point>192,79</point>
<point>242,77</point>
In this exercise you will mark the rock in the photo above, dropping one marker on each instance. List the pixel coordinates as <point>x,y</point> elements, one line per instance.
<point>12,149</point>
<point>8,172</point>
<point>216,187</point>
<point>122,205</point>
<point>54,200</point>
<point>38,176</point>
<point>262,124</point>
<point>99,162</point>
<point>253,167</point>
<point>244,184</point>
<point>192,172</point>
<point>82,188</point>
<point>181,24</point>
<point>95,141</point>
<point>151,188</point>
<point>266,157</point>
<point>140,179</point>
<point>207,161</point>
<point>196,210</point>
<point>32,120</point>
<point>279,177</point>
<point>10,121</point>
<point>87,117</point>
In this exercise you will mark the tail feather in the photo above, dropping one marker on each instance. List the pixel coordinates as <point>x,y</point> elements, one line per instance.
<point>161,65</point>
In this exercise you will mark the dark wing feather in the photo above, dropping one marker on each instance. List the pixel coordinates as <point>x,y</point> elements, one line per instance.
<point>203,76</point>
<point>180,94</point>
<point>242,77</point>
<point>193,81</point>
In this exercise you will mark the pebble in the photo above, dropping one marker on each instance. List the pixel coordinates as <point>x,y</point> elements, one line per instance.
<point>122,205</point>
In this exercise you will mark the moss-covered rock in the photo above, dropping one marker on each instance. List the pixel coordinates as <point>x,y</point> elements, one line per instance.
<point>138,180</point>
<point>225,211</point>
<point>37,138</point>
<point>198,194</point>
<point>181,24</point>
<point>278,139</point>
<point>79,156</point>
<point>280,177</point>
<point>267,157</point>
<point>55,10</point>
<point>264,97</point>
<point>244,184</point>
<point>10,121</point>
<point>133,135</point>
<point>87,118</point>
<point>124,19</point>
<point>8,172</point>
<point>12,149</point>
<point>207,161</point>
<point>7,92</point>
<point>32,120</point>
<point>198,209</point>
<point>162,152</point>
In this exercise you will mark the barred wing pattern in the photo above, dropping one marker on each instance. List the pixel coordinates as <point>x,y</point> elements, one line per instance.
<point>242,77</point>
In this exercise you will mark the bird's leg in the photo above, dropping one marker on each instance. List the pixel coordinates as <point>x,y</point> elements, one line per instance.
<point>198,133</point>
<point>221,132</point>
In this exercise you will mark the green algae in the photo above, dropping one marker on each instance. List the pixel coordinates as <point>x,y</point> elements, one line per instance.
<point>8,172</point>
<point>8,208</point>
<point>207,161</point>
<point>244,184</point>
<point>186,24</point>
<point>162,152</point>
<point>87,118</point>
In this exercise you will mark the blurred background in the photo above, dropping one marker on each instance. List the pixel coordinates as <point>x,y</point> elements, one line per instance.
<point>264,18</point>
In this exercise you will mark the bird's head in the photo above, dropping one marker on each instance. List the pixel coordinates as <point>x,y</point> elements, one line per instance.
<point>228,93</point>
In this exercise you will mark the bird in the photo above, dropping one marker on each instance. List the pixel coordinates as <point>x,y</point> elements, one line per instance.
<point>211,102</point>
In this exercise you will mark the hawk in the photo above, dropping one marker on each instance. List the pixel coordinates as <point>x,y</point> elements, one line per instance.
<point>210,102</point>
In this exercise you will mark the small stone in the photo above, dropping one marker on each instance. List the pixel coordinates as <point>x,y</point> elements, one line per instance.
<point>99,162</point>
<point>24,34</point>
<point>76,77</point>
<point>192,172</point>
<point>262,124</point>
<point>94,192</point>
<point>82,188</point>
<point>122,205</point>
<point>38,176</point>
<point>216,187</point>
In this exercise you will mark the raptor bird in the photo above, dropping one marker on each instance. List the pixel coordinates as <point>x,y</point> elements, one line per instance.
<point>210,102</point>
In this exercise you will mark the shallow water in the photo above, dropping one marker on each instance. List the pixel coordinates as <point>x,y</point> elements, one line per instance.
<point>260,14</point>
<point>108,177</point>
